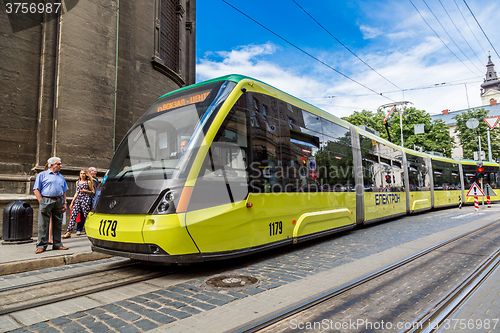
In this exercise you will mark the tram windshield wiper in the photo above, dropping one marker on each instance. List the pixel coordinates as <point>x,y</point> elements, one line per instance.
<point>131,169</point>
<point>147,168</point>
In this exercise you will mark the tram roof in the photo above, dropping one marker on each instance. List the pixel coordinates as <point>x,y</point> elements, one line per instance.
<point>237,78</point>
<point>472,162</point>
<point>231,77</point>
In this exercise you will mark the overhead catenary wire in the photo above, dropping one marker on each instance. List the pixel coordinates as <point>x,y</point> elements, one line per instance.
<point>437,85</point>
<point>460,33</point>
<point>467,23</point>
<point>354,54</point>
<point>307,53</point>
<point>451,38</point>
<point>442,41</point>
<point>474,16</point>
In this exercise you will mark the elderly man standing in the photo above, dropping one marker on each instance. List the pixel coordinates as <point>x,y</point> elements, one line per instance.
<point>93,173</point>
<point>50,190</point>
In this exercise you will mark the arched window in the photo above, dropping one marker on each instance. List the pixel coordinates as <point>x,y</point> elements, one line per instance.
<point>168,19</point>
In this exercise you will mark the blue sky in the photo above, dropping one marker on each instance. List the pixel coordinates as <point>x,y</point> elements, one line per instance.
<point>435,69</point>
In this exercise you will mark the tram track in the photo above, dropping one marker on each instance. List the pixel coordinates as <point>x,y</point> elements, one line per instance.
<point>296,309</point>
<point>40,293</point>
<point>76,275</point>
<point>435,317</point>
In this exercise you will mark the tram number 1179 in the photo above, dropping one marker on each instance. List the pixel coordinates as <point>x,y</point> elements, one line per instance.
<point>106,226</point>
<point>275,228</point>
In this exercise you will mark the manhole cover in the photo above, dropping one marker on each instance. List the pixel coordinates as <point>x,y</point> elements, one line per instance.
<point>231,281</point>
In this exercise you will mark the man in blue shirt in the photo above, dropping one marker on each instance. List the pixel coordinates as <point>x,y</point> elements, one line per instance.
<point>50,190</point>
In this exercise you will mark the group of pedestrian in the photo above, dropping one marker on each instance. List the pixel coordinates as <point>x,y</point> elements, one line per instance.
<point>50,190</point>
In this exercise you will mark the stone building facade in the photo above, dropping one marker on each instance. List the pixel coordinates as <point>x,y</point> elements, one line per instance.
<point>73,83</point>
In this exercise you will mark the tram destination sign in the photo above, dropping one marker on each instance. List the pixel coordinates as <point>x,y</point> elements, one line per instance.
<point>182,101</point>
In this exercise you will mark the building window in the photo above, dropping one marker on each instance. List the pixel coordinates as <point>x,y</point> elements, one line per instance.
<point>169,34</point>
<point>167,38</point>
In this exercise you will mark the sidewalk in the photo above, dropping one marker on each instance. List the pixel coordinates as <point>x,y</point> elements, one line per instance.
<point>18,258</point>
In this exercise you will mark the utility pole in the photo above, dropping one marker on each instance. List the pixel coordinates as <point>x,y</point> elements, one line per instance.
<point>490,155</point>
<point>472,124</point>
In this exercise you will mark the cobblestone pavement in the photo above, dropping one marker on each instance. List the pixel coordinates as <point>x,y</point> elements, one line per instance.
<point>157,307</point>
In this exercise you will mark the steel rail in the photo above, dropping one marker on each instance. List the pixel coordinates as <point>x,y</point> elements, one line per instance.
<point>434,317</point>
<point>67,277</point>
<point>279,315</point>
<point>84,293</point>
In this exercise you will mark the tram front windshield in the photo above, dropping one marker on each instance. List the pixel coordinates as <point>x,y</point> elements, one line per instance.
<point>159,146</point>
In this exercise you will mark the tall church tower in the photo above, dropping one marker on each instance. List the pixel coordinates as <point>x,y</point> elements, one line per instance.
<point>490,88</point>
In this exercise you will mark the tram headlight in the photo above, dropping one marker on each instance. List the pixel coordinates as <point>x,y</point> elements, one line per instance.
<point>170,196</point>
<point>166,204</point>
<point>163,207</point>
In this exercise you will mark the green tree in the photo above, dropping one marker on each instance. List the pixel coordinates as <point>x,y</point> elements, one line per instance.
<point>436,136</point>
<point>368,118</point>
<point>469,138</point>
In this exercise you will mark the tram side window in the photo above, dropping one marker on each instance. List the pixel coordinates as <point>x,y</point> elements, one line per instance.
<point>369,161</point>
<point>264,144</point>
<point>299,147</point>
<point>312,122</point>
<point>299,160</point>
<point>491,176</point>
<point>292,116</point>
<point>446,176</point>
<point>470,175</point>
<point>392,159</point>
<point>382,166</point>
<point>334,159</point>
<point>223,176</point>
<point>418,173</point>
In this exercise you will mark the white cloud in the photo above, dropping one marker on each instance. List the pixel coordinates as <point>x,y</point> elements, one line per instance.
<point>247,60</point>
<point>370,32</point>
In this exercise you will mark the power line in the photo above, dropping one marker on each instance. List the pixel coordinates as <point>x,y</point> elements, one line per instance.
<point>449,16</point>
<point>438,36</point>
<point>437,85</point>
<point>305,52</point>
<point>451,38</point>
<point>481,28</point>
<point>472,32</point>
<point>347,107</point>
<point>354,54</point>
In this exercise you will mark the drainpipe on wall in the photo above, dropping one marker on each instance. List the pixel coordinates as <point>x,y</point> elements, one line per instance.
<point>116,73</point>
<point>40,91</point>
<point>56,85</point>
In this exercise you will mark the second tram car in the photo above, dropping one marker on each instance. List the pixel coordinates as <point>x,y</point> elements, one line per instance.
<point>232,166</point>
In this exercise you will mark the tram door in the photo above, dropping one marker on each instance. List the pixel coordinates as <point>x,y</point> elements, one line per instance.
<point>218,218</point>
<point>383,178</point>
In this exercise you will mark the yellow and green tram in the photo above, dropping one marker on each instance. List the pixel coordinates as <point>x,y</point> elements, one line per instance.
<point>232,166</point>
